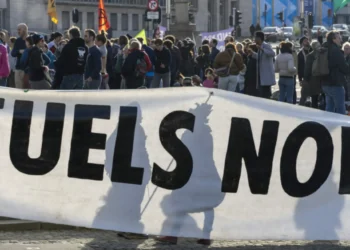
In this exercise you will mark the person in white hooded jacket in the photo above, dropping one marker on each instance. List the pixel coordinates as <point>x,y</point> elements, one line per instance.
<point>285,66</point>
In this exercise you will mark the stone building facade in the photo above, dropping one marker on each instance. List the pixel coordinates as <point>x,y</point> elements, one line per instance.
<point>125,16</point>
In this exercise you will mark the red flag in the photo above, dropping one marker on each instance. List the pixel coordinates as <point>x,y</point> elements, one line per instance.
<point>103,23</point>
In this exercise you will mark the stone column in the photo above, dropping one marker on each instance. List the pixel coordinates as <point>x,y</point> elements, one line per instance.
<point>182,28</point>
<point>215,15</point>
<point>181,11</point>
<point>202,16</point>
<point>227,13</point>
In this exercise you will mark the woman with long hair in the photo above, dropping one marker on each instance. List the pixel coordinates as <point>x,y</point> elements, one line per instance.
<point>203,60</point>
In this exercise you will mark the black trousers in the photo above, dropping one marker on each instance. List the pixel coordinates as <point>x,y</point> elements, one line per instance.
<point>265,92</point>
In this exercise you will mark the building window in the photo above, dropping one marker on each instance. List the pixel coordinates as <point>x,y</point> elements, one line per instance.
<point>135,21</point>
<point>114,21</point>
<point>65,20</point>
<point>91,20</point>
<point>125,22</point>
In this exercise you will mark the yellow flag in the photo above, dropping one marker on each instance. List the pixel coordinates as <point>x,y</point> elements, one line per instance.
<point>142,34</point>
<point>51,11</point>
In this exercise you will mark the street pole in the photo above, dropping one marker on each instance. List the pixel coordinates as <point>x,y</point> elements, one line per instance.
<point>265,14</point>
<point>168,13</point>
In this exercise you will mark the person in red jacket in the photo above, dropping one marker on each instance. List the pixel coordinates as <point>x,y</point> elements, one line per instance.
<point>136,66</point>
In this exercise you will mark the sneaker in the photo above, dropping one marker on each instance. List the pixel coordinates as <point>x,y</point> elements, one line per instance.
<point>167,240</point>
<point>204,242</point>
<point>132,236</point>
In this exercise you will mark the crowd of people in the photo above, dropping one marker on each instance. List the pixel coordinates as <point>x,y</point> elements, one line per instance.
<point>92,61</point>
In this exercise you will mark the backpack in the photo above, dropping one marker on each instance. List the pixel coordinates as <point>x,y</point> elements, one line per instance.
<point>320,64</point>
<point>119,63</point>
<point>141,68</point>
<point>35,60</point>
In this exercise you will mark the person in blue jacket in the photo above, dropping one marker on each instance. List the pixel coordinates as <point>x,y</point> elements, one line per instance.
<point>50,55</point>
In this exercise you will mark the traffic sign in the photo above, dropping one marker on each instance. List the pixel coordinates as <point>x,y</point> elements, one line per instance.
<point>152,15</point>
<point>153,5</point>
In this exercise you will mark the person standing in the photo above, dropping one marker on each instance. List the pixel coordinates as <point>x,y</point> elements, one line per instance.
<point>305,50</point>
<point>135,67</point>
<point>175,63</point>
<point>150,52</point>
<point>101,42</point>
<point>203,61</point>
<point>54,44</point>
<point>93,62</point>
<point>162,65</point>
<point>346,49</point>
<point>250,87</point>
<point>252,30</point>
<point>333,84</point>
<point>311,85</point>
<point>284,65</point>
<point>265,65</point>
<point>50,55</point>
<point>37,61</point>
<point>227,66</point>
<point>4,63</point>
<point>214,51</point>
<point>124,46</point>
<point>71,63</point>
<point>17,51</point>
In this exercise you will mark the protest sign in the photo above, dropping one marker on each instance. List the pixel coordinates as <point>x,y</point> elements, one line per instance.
<point>218,35</point>
<point>162,31</point>
<point>187,162</point>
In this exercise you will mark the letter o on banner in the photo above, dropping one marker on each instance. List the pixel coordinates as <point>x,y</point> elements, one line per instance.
<point>324,160</point>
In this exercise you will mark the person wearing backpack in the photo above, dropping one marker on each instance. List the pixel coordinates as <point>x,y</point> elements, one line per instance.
<point>135,66</point>
<point>333,83</point>
<point>227,66</point>
<point>311,85</point>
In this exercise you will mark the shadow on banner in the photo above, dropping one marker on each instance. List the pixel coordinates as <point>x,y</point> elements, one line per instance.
<point>118,210</point>
<point>203,193</point>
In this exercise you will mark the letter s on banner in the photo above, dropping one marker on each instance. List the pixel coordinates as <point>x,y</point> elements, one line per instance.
<point>184,162</point>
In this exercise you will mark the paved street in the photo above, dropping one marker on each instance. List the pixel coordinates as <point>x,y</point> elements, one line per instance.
<point>101,240</point>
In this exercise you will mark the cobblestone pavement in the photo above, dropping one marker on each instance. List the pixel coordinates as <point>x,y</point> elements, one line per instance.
<point>84,239</point>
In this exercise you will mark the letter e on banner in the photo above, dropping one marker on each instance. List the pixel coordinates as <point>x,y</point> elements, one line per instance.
<point>83,139</point>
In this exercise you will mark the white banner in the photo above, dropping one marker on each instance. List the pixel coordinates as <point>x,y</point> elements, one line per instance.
<point>175,162</point>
